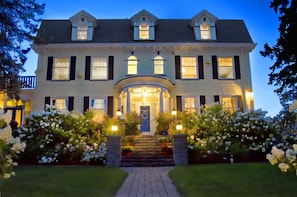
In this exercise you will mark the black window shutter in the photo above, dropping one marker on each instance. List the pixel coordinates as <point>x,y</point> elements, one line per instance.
<point>200,67</point>
<point>237,67</point>
<point>70,103</point>
<point>72,67</point>
<point>110,68</point>
<point>240,103</point>
<point>110,106</point>
<point>202,100</point>
<point>47,101</point>
<point>86,103</point>
<point>49,73</point>
<point>214,67</point>
<point>87,67</point>
<point>216,98</point>
<point>179,106</point>
<point>177,67</point>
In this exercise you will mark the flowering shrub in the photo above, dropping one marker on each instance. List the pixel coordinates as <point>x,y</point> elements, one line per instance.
<point>10,147</point>
<point>55,136</point>
<point>286,160</point>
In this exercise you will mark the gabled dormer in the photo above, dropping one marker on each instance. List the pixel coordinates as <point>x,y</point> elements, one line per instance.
<point>144,24</point>
<point>83,25</point>
<point>204,26</point>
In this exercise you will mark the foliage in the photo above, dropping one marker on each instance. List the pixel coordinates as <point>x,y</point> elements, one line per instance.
<point>286,160</point>
<point>128,148</point>
<point>163,139</point>
<point>163,121</point>
<point>10,148</point>
<point>132,121</point>
<point>107,124</point>
<point>55,136</point>
<point>128,139</point>
<point>19,22</point>
<point>283,71</point>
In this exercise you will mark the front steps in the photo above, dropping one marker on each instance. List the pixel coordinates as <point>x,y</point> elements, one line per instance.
<point>147,152</point>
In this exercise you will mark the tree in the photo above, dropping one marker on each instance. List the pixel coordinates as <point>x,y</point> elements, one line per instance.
<point>283,73</point>
<point>18,23</point>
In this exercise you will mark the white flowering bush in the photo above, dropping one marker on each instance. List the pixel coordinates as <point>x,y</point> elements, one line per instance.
<point>55,136</point>
<point>286,159</point>
<point>10,147</point>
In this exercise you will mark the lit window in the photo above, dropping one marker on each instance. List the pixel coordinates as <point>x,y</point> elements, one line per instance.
<point>98,107</point>
<point>189,104</point>
<point>144,31</point>
<point>189,68</point>
<point>132,65</point>
<point>82,32</point>
<point>99,68</point>
<point>229,103</point>
<point>226,70</point>
<point>60,103</point>
<point>61,69</point>
<point>205,31</point>
<point>158,65</point>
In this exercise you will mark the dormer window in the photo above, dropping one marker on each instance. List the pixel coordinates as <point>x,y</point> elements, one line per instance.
<point>144,24</point>
<point>83,26</point>
<point>205,31</point>
<point>144,31</point>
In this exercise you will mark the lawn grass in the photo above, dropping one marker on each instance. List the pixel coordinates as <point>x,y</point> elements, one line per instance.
<point>66,181</point>
<point>240,180</point>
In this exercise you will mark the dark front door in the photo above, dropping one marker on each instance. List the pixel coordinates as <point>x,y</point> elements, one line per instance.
<point>145,118</point>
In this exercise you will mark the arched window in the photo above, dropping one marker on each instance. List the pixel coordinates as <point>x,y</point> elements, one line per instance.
<point>132,65</point>
<point>158,65</point>
<point>205,30</point>
<point>144,31</point>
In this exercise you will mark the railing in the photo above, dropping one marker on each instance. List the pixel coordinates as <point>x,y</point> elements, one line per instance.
<point>27,82</point>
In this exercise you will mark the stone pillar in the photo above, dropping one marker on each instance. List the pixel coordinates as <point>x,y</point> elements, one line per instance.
<point>180,149</point>
<point>113,156</point>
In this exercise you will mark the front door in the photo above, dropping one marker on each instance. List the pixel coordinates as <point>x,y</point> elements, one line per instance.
<point>145,118</point>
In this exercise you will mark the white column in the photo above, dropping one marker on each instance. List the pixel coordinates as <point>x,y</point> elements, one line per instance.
<point>161,101</point>
<point>128,100</point>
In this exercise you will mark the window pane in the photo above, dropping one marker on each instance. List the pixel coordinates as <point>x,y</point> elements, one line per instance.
<point>82,31</point>
<point>99,68</point>
<point>158,65</point>
<point>205,31</point>
<point>229,103</point>
<point>132,65</point>
<point>97,104</point>
<point>144,31</point>
<point>61,69</point>
<point>60,104</point>
<point>189,68</point>
<point>189,104</point>
<point>226,70</point>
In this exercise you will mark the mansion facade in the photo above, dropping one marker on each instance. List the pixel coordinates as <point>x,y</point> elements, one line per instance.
<point>142,64</point>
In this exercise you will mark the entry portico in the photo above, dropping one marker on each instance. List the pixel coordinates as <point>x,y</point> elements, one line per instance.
<point>147,96</point>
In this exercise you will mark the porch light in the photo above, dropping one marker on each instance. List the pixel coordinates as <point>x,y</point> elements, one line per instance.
<point>144,93</point>
<point>114,129</point>
<point>173,112</point>
<point>179,127</point>
<point>119,113</point>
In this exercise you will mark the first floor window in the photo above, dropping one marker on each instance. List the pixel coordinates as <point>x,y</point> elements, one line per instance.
<point>229,103</point>
<point>60,103</point>
<point>61,69</point>
<point>189,104</point>
<point>226,68</point>
<point>98,107</point>
<point>99,68</point>
<point>189,68</point>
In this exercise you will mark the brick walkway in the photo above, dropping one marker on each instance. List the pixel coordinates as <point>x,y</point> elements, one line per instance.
<point>147,182</point>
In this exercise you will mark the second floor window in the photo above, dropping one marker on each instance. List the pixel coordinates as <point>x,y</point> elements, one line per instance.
<point>189,68</point>
<point>61,69</point>
<point>158,65</point>
<point>99,68</point>
<point>144,31</point>
<point>225,68</point>
<point>205,31</point>
<point>132,65</point>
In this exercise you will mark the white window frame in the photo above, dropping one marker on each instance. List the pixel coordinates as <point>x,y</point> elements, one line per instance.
<point>132,63</point>
<point>159,63</point>
<point>221,67</point>
<point>184,67</point>
<point>60,67</point>
<point>102,69</point>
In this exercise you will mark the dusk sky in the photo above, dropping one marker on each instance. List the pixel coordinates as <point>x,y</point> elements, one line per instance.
<point>261,21</point>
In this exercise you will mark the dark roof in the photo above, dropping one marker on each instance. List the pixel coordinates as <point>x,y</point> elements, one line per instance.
<point>121,31</point>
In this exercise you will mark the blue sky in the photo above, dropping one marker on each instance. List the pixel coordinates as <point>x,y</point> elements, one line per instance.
<point>261,21</point>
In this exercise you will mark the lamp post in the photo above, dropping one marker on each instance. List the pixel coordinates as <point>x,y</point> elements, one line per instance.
<point>114,129</point>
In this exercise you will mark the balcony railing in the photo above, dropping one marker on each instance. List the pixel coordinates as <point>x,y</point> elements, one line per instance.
<point>27,82</point>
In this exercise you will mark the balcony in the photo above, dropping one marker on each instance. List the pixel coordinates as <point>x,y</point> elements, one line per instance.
<point>27,82</point>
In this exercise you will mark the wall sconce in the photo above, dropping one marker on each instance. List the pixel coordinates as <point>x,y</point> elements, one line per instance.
<point>173,113</point>
<point>119,113</point>
<point>179,127</point>
<point>114,129</point>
